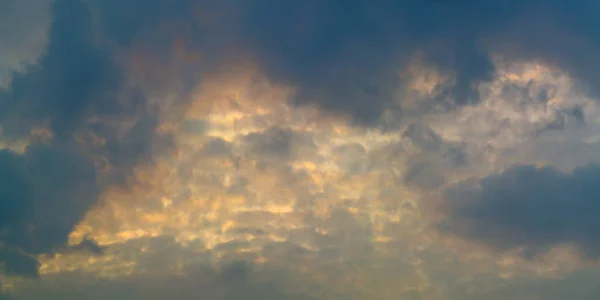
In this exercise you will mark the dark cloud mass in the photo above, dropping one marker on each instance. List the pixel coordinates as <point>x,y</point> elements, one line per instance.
<point>74,77</point>
<point>44,193</point>
<point>529,207</point>
<point>344,56</point>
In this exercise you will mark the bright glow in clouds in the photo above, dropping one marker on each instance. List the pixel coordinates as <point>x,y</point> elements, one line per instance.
<point>296,150</point>
<point>349,210</point>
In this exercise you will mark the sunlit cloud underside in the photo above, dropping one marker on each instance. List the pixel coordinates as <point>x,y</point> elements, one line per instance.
<point>353,210</point>
<point>299,150</point>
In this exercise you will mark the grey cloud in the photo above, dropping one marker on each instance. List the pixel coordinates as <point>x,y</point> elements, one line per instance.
<point>194,126</point>
<point>74,85</point>
<point>15,262</point>
<point>23,31</point>
<point>75,77</point>
<point>345,55</point>
<point>238,186</point>
<point>89,245</point>
<point>430,142</point>
<point>423,137</point>
<point>274,142</point>
<point>278,144</point>
<point>44,193</point>
<point>424,175</point>
<point>156,276</point>
<point>566,150</point>
<point>436,157</point>
<point>352,158</point>
<point>529,94</point>
<point>231,246</point>
<point>564,117</point>
<point>528,207</point>
<point>140,145</point>
<point>217,147</point>
<point>80,87</point>
<point>348,235</point>
<point>579,285</point>
<point>341,55</point>
<point>236,281</point>
<point>285,252</point>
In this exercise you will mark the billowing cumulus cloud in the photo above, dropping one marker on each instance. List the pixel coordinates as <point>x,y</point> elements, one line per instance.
<point>298,149</point>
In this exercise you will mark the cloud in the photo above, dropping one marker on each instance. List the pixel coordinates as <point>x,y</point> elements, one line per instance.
<point>162,265</point>
<point>17,263</point>
<point>279,144</point>
<point>217,124</point>
<point>71,94</point>
<point>581,284</point>
<point>563,117</point>
<point>44,193</point>
<point>535,208</point>
<point>347,57</point>
<point>424,175</point>
<point>23,30</point>
<point>235,281</point>
<point>75,77</point>
<point>431,156</point>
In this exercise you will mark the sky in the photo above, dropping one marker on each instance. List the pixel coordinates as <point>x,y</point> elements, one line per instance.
<point>305,150</point>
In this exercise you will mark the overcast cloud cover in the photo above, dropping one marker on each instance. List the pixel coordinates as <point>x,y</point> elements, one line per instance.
<point>263,149</point>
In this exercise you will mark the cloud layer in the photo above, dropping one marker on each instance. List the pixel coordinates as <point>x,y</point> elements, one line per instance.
<point>348,57</point>
<point>299,149</point>
<point>526,206</point>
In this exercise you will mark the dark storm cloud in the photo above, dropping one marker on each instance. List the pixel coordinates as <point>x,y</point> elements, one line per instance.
<point>342,55</point>
<point>529,207</point>
<point>345,55</point>
<point>74,77</point>
<point>46,191</point>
